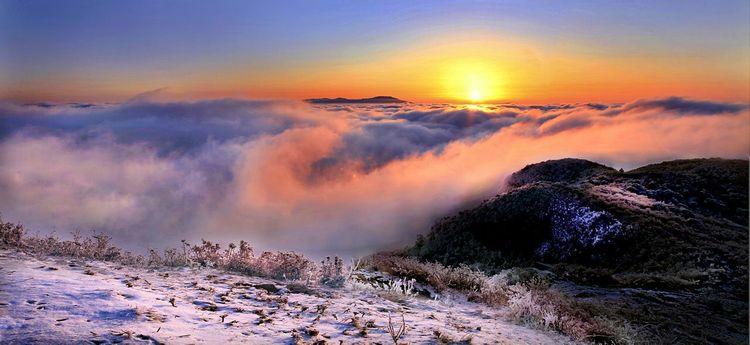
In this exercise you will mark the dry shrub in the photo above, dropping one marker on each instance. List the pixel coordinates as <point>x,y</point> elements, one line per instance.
<point>396,334</point>
<point>208,254</point>
<point>461,278</point>
<point>10,234</point>
<point>277,265</point>
<point>96,247</point>
<point>242,259</point>
<point>173,258</point>
<point>239,259</point>
<point>494,291</point>
<point>552,310</point>
<point>332,272</point>
<point>525,291</point>
<point>285,265</point>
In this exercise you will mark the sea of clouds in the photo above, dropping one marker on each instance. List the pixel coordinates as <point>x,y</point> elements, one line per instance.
<point>322,179</point>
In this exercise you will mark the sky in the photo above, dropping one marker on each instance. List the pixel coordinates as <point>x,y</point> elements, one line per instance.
<point>422,51</point>
<point>156,121</point>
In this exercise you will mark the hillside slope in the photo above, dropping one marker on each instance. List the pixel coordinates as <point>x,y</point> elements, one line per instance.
<point>624,240</point>
<point>687,216</point>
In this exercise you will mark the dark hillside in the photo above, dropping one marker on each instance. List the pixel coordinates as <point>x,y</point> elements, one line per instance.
<point>672,217</point>
<point>664,246</point>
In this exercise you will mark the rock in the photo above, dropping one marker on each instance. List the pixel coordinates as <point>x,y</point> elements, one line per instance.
<point>268,287</point>
<point>301,289</point>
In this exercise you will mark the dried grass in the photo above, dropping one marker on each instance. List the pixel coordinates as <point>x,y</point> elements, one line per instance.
<point>240,259</point>
<point>525,292</point>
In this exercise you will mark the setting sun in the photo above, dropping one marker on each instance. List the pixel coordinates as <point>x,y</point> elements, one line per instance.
<point>472,81</point>
<point>475,95</point>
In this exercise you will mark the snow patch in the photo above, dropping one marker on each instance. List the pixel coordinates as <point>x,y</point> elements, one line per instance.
<point>576,227</point>
<point>207,306</point>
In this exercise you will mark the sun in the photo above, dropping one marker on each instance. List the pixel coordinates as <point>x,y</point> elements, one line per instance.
<point>472,81</point>
<point>477,87</point>
<point>475,95</point>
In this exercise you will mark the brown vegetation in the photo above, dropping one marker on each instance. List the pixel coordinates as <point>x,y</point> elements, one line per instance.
<point>241,259</point>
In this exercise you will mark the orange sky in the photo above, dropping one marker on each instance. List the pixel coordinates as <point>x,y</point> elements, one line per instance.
<point>499,71</point>
<point>461,71</point>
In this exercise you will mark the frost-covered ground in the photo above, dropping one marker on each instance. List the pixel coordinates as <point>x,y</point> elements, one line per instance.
<point>57,300</point>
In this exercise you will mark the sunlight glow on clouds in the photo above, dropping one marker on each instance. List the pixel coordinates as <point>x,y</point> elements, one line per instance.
<point>322,179</point>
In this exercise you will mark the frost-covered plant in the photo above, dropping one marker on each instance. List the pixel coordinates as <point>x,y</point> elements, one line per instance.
<point>97,246</point>
<point>130,259</point>
<point>285,265</point>
<point>11,234</point>
<point>552,310</point>
<point>462,278</point>
<point>94,247</point>
<point>355,265</point>
<point>176,258</point>
<point>401,286</point>
<point>207,254</point>
<point>394,289</point>
<point>154,259</point>
<point>240,260</point>
<point>396,334</point>
<point>525,305</point>
<point>526,292</point>
<point>493,291</point>
<point>331,272</point>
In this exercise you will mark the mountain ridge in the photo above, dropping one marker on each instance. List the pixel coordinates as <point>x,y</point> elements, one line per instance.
<point>376,99</point>
<point>669,238</point>
<point>653,218</point>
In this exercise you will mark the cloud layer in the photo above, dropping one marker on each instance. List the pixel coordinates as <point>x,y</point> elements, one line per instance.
<point>321,179</point>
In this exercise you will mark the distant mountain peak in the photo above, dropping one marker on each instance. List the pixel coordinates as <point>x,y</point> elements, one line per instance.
<point>376,99</point>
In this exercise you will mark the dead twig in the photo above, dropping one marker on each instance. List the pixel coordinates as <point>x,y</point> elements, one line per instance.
<point>395,335</point>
